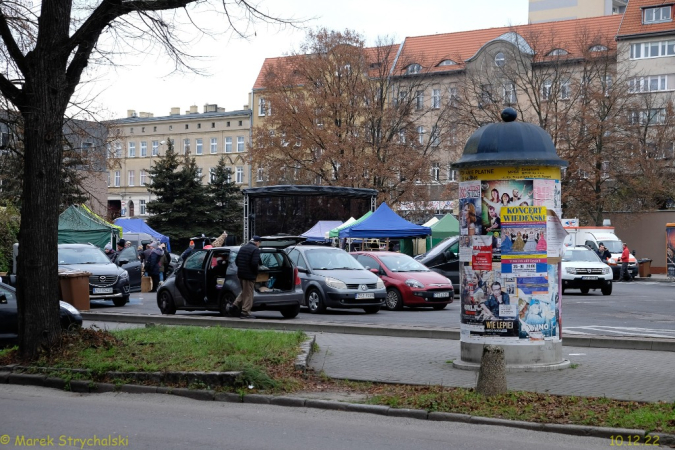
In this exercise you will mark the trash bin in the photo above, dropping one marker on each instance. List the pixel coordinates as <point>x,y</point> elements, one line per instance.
<point>75,289</point>
<point>644,269</point>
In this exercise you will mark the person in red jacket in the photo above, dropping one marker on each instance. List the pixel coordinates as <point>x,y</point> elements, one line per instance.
<point>625,257</point>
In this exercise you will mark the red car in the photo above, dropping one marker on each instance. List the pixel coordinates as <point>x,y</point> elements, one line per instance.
<point>408,282</point>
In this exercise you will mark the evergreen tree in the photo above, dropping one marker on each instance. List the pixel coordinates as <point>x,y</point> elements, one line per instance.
<point>181,207</point>
<point>226,202</point>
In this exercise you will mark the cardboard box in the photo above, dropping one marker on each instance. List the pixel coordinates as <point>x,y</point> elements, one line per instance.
<point>262,277</point>
<point>146,284</point>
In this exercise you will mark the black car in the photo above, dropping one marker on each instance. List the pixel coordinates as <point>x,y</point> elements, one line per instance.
<point>444,259</point>
<point>207,280</point>
<point>128,259</point>
<point>9,316</point>
<point>106,282</point>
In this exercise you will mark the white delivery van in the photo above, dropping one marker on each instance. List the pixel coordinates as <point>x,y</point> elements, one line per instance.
<point>593,236</point>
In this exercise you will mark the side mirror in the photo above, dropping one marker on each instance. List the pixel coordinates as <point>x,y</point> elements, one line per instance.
<point>302,269</point>
<point>122,262</point>
<point>3,299</point>
<point>375,271</point>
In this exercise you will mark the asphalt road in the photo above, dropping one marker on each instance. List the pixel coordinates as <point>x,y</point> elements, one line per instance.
<point>644,308</point>
<point>155,421</point>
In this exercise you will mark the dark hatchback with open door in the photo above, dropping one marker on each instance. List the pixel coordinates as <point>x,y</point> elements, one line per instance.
<point>207,280</point>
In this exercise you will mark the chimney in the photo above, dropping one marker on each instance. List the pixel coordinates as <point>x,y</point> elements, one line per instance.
<point>221,109</point>
<point>210,107</point>
<point>175,112</point>
<point>131,113</point>
<point>194,109</point>
<point>145,114</point>
<point>245,106</point>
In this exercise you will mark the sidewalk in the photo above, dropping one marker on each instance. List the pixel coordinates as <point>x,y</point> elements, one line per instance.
<point>660,277</point>
<point>599,372</point>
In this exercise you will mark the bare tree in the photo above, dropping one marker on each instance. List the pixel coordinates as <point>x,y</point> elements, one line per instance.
<point>45,50</point>
<point>337,115</point>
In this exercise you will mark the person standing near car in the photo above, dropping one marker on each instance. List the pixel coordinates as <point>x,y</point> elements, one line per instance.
<point>603,253</point>
<point>120,246</point>
<point>153,265</point>
<point>189,251</point>
<point>112,255</point>
<point>625,257</point>
<point>247,262</point>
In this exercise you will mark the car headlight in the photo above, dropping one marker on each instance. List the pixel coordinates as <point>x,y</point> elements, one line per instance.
<point>380,284</point>
<point>414,283</point>
<point>335,283</point>
<point>571,270</point>
<point>70,308</point>
<point>606,270</point>
<point>124,275</point>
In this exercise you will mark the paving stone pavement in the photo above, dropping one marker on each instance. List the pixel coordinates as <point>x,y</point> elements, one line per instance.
<point>599,372</point>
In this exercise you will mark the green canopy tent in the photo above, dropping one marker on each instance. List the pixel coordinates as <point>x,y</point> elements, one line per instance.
<point>78,226</point>
<point>446,227</point>
<point>335,232</point>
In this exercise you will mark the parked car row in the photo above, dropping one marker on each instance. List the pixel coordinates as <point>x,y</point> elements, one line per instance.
<point>316,277</point>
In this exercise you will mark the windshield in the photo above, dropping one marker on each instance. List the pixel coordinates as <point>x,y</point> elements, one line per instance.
<point>614,246</point>
<point>82,255</point>
<point>323,259</point>
<point>581,255</point>
<point>440,247</point>
<point>402,263</point>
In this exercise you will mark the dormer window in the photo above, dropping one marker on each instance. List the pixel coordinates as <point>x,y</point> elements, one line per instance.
<point>413,69</point>
<point>658,14</point>
<point>558,52</point>
<point>500,60</point>
<point>598,48</point>
<point>447,62</point>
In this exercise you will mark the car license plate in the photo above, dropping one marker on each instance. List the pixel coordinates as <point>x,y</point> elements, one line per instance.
<point>103,290</point>
<point>365,295</point>
<point>589,278</point>
<point>441,294</point>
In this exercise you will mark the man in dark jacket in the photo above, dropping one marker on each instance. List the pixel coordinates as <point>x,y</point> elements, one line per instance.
<point>189,251</point>
<point>153,265</point>
<point>247,262</point>
<point>603,253</point>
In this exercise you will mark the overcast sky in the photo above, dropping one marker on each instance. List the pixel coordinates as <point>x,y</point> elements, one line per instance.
<point>145,83</point>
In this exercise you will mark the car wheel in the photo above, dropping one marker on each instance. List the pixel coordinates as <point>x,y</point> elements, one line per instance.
<point>315,302</point>
<point>585,290</point>
<point>290,311</point>
<point>226,298</point>
<point>439,307</point>
<point>607,290</point>
<point>394,301</point>
<point>165,303</point>
<point>371,309</point>
<point>121,301</point>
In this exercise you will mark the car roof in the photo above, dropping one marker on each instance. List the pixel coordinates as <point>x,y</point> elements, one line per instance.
<point>77,246</point>
<point>317,247</point>
<point>379,253</point>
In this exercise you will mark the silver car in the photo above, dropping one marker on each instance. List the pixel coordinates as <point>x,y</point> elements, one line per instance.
<point>332,278</point>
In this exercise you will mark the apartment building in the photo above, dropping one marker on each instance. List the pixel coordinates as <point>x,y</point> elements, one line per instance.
<point>552,10</point>
<point>140,138</point>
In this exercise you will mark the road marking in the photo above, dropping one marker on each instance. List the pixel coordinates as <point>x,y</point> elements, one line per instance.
<point>623,331</point>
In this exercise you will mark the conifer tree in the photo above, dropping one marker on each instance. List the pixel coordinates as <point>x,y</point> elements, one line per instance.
<point>226,201</point>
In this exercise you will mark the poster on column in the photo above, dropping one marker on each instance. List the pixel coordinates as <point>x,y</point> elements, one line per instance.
<point>523,251</point>
<point>547,193</point>
<point>536,309</point>
<point>470,208</point>
<point>482,252</point>
<point>500,193</point>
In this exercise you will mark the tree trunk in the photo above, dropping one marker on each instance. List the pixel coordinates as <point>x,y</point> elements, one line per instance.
<point>45,97</point>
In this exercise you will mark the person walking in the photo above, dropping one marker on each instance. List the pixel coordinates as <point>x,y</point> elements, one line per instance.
<point>625,257</point>
<point>153,265</point>
<point>189,251</point>
<point>247,262</point>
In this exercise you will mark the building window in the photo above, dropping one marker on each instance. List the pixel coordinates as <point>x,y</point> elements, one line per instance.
<point>565,90</point>
<point>155,148</point>
<point>606,84</point>
<point>500,60</point>
<point>653,116</point>
<point>186,146</point>
<point>132,149</point>
<point>118,149</point>
<point>213,124</point>
<point>546,90</point>
<point>262,107</point>
<point>447,62</point>
<point>154,129</point>
<point>654,49</point>
<point>199,146</point>
<point>658,14</point>
<point>142,129</point>
<point>453,95</point>
<point>199,125</point>
<point>142,176</point>
<point>212,175</point>
<point>240,123</point>
<point>240,175</point>
<point>452,174</point>
<point>435,138</point>
<point>228,145</point>
<point>170,127</point>
<point>131,178</point>
<point>142,206</point>
<point>509,92</point>
<point>413,69</point>
<point>131,130</point>
<point>648,84</point>
<point>486,94</point>
<point>214,145</point>
<point>117,178</point>
<point>420,135</point>
<point>598,48</point>
<point>436,98</point>
<point>198,177</point>
<point>557,52</point>
<point>419,100</point>
<point>259,174</point>
<point>435,172</point>
<point>228,123</point>
<point>187,126</point>
<point>240,143</point>
<point>144,149</point>
<point>401,136</point>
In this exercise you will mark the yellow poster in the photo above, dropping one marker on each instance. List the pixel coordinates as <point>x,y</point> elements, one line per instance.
<point>510,173</point>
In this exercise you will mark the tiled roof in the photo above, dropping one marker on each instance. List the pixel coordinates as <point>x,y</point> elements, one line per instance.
<point>429,51</point>
<point>632,19</point>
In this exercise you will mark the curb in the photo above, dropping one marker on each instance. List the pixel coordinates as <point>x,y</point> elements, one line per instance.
<point>622,343</point>
<point>82,386</point>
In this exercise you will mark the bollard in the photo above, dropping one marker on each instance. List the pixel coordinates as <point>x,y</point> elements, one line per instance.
<point>492,373</point>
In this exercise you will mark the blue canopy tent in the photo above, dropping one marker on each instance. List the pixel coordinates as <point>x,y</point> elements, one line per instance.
<point>319,232</point>
<point>384,223</point>
<point>139,226</point>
